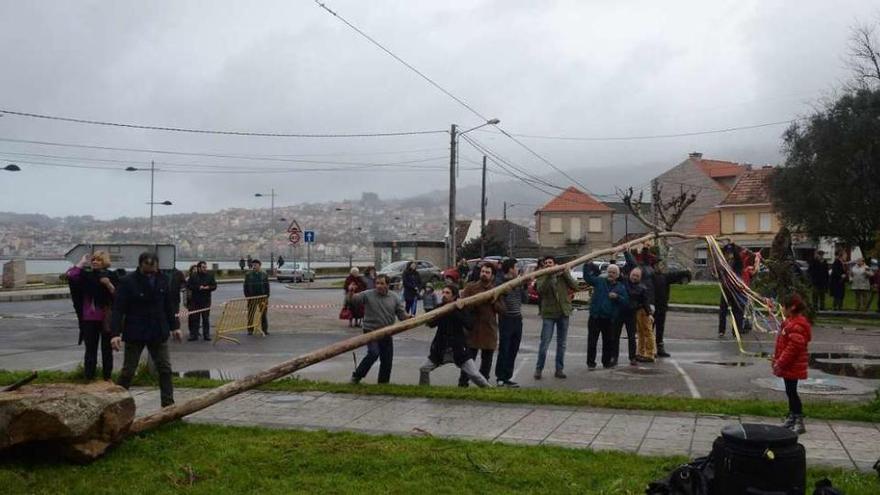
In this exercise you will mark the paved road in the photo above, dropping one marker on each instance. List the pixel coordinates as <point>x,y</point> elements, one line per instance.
<point>42,335</point>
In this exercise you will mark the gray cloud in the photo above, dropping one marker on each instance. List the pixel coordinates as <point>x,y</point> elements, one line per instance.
<point>560,68</point>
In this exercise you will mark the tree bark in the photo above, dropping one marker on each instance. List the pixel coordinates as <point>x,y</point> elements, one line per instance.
<point>225,391</point>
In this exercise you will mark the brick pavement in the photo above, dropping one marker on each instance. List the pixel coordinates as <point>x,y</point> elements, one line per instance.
<point>829,443</point>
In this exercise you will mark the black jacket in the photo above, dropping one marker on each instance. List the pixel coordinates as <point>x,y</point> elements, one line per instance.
<point>201,298</point>
<point>143,312</point>
<point>451,336</point>
<point>819,273</point>
<point>662,281</point>
<point>639,298</point>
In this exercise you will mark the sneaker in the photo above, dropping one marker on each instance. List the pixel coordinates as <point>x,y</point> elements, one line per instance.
<point>499,383</point>
<point>591,367</point>
<point>560,374</point>
<point>207,338</point>
<point>789,421</point>
<point>798,426</point>
<point>720,335</point>
<point>354,380</point>
<point>511,384</point>
<point>661,352</point>
<point>537,374</point>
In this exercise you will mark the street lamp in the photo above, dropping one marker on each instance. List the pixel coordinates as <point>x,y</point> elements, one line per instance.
<point>350,232</point>
<point>12,168</point>
<point>454,133</point>
<point>271,195</point>
<point>152,201</point>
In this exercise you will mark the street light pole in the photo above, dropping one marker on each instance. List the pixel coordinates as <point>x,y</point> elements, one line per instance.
<point>152,191</point>
<point>450,256</point>
<point>272,225</point>
<point>453,158</point>
<point>483,214</point>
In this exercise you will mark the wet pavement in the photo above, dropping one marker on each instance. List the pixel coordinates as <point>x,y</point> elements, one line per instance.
<point>42,335</point>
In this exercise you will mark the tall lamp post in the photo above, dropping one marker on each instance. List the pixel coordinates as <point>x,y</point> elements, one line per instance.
<point>271,197</point>
<point>350,233</point>
<point>454,133</point>
<point>152,201</point>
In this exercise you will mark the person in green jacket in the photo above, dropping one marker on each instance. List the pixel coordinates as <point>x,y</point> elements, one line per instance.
<point>554,291</point>
<point>256,283</point>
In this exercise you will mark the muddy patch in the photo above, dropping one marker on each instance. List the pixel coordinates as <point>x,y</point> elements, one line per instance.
<point>846,364</point>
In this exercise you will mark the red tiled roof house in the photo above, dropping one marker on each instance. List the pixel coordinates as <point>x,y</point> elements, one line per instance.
<point>576,221</point>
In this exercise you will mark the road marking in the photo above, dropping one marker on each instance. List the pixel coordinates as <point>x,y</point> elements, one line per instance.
<point>687,379</point>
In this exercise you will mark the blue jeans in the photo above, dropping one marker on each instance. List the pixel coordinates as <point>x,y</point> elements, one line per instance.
<point>547,325</point>
<point>382,350</point>
<point>412,306</point>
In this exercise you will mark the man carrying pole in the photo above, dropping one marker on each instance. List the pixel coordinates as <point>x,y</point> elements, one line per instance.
<point>381,306</point>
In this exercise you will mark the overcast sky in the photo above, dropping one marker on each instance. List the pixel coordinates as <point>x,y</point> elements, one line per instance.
<point>573,68</point>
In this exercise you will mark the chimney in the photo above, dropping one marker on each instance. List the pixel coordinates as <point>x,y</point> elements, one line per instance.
<point>696,155</point>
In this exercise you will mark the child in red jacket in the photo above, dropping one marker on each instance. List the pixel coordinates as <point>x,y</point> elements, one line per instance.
<point>790,358</point>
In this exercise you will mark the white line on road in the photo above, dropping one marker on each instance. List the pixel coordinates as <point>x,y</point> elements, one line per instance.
<point>687,379</point>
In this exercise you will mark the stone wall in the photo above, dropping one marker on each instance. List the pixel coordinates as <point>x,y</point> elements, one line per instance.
<point>14,274</point>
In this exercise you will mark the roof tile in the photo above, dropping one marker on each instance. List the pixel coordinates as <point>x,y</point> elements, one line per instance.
<point>574,200</point>
<point>752,188</point>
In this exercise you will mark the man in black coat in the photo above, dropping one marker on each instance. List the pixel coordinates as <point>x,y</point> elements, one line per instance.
<point>143,316</point>
<point>200,284</point>
<point>662,279</point>
<point>818,271</point>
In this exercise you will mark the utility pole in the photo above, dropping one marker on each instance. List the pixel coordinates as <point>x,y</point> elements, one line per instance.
<point>483,213</point>
<point>452,152</point>
<point>505,211</point>
<point>272,221</point>
<point>152,189</point>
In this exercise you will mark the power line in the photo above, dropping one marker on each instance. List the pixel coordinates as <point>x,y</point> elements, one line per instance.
<point>404,62</point>
<point>240,171</point>
<point>197,165</point>
<point>650,136</point>
<point>449,94</point>
<point>266,158</point>
<point>212,131</point>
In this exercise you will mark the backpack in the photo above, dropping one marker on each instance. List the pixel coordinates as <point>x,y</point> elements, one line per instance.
<point>693,478</point>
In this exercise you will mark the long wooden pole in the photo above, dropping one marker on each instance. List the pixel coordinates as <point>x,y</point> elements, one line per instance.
<point>225,391</point>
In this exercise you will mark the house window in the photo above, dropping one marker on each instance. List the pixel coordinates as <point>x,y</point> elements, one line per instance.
<point>575,228</point>
<point>595,224</point>
<point>739,222</point>
<point>764,222</point>
<point>555,225</point>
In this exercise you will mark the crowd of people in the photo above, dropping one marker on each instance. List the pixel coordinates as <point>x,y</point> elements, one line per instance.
<point>863,279</point>
<point>142,308</point>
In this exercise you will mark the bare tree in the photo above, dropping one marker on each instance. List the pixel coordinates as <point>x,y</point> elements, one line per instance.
<point>667,212</point>
<point>863,55</point>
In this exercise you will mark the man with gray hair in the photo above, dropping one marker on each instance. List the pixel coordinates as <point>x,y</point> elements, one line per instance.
<point>381,307</point>
<point>609,298</point>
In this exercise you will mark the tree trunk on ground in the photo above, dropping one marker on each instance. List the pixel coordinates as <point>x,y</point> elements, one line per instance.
<point>222,392</point>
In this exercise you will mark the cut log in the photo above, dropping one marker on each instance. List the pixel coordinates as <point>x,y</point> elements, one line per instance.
<point>77,422</point>
<point>225,391</point>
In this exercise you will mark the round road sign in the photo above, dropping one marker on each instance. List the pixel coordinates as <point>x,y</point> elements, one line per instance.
<point>294,237</point>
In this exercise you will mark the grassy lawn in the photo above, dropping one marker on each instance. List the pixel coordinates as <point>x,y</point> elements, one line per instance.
<point>197,459</point>
<point>866,411</point>
<point>706,294</point>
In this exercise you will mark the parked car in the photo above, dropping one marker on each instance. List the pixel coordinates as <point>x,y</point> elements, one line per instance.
<point>429,272</point>
<point>294,273</point>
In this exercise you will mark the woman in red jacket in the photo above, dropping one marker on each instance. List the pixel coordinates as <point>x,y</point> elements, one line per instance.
<point>790,358</point>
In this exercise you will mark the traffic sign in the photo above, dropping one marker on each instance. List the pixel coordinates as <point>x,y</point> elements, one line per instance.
<point>294,226</point>
<point>309,236</point>
<point>294,238</point>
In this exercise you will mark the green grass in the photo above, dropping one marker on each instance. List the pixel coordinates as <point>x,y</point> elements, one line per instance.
<point>710,294</point>
<point>706,294</point>
<point>868,411</point>
<point>217,460</point>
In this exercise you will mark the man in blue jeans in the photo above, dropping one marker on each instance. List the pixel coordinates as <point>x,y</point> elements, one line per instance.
<point>554,291</point>
<point>381,307</point>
